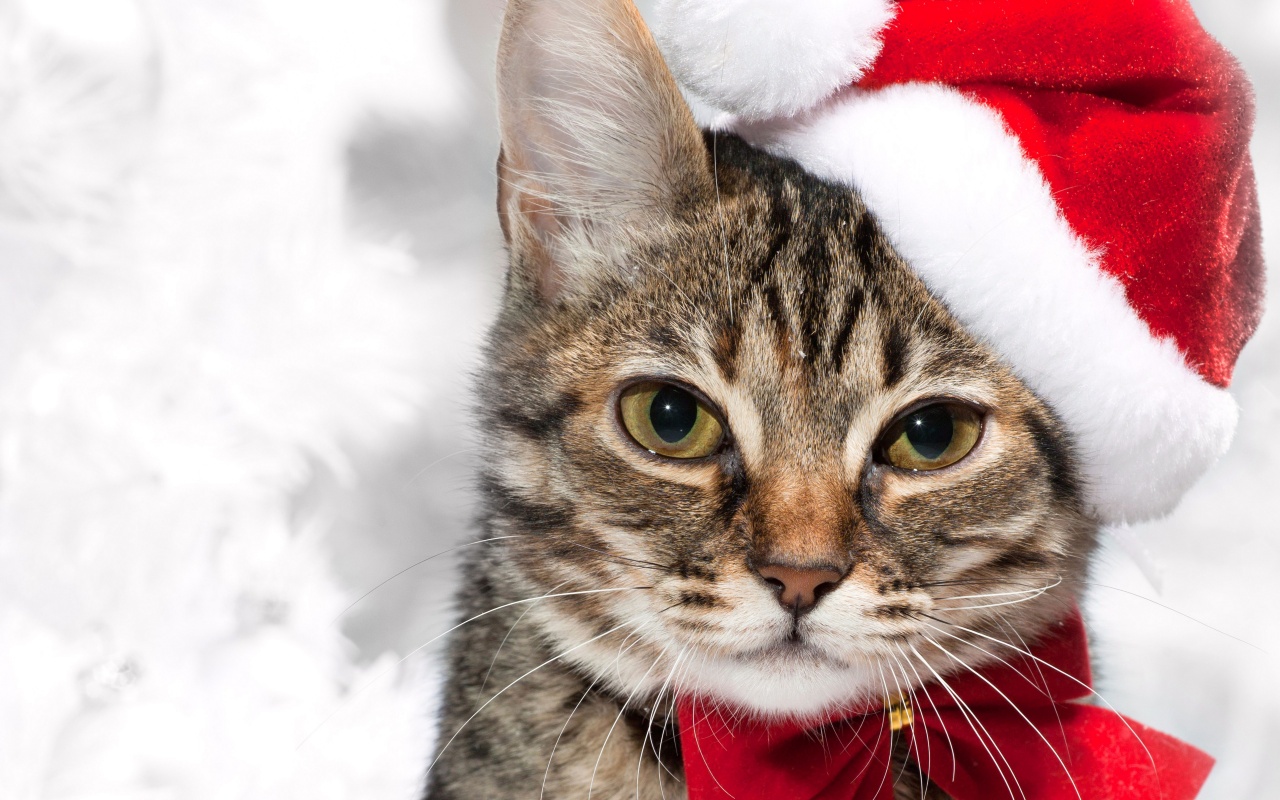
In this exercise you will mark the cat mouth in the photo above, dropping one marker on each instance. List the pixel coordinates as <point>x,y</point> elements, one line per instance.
<point>791,649</point>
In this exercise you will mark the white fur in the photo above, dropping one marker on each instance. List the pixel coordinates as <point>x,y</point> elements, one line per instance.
<point>802,685</point>
<point>976,220</point>
<point>777,688</point>
<point>741,659</point>
<point>766,58</point>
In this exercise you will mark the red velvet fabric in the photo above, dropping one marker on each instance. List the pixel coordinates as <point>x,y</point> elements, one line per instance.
<point>1140,123</point>
<point>1014,729</point>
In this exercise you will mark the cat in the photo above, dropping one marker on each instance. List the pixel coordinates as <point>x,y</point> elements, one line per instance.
<point>733,445</point>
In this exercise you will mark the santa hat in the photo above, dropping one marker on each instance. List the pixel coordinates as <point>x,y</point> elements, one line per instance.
<point>1072,179</point>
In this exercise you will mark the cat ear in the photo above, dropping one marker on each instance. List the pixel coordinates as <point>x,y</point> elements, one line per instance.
<point>598,146</point>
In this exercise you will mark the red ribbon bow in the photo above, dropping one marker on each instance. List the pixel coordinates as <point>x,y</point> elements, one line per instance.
<point>1018,734</point>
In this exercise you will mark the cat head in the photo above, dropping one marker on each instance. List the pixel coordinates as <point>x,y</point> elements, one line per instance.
<point>723,416</point>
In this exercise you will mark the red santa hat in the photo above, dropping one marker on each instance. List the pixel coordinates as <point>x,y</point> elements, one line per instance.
<point>1072,179</point>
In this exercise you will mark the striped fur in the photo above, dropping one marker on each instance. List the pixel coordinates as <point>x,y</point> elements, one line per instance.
<point>621,579</point>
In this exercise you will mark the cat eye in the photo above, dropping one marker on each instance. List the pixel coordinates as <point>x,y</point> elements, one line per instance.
<point>931,437</point>
<point>665,419</point>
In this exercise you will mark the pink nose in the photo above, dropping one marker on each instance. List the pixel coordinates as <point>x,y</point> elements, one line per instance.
<point>799,588</point>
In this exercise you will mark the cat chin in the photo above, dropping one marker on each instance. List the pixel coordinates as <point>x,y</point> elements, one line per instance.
<point>787,686</point>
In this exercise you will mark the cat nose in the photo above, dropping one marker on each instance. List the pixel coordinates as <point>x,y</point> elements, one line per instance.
<point>799,588</point>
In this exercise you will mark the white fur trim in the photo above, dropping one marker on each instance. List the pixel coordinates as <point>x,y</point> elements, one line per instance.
<point>976,220</point>
<point>767,58</point>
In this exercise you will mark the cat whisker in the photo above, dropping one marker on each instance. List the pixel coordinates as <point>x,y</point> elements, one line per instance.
<point>668,688</point>
<point>857,735</point>
<point>503,643</point>
<point>504,689</point>
<point>1036,659</point>
<point>1027,596</point>
<point>1004,623</point>
<point>547,596</point>
<point>887,694</point>
<point>625,559</point>
<point>1039,590</point>
<point>623,649</point>
<point>629,561</point>
<point>966,582</point>
<point>676,604</point>
<point>1170,609</point>
<point>974,724</point>
<point>679,675</point>
<point>441,460</point>
<point>981,606</point>
<point>560,735</point>
<point>928,742</point>
<point>382,674</point>
<point>946,733</point>
<point>647,743</point>
<point>1043,685</point>
<point>697,741</point>
<point>679,668</point>
<point>1012,705</point>
<point>857,738</point>
<point>413,566</point>
<point>875,745</point>
<point>622,710</point>
<point>910,694</point>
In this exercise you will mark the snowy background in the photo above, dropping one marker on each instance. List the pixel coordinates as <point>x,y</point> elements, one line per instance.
<point>247,252</point>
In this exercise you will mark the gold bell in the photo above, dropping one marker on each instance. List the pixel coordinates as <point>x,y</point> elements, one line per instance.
<point>900,714</point>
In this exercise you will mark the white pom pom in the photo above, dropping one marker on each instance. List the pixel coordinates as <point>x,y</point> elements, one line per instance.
<point>770,58</point>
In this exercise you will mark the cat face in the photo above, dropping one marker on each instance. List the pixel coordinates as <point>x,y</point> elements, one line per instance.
<point>723,413</point>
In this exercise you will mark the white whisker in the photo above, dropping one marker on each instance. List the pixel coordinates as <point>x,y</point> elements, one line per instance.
<point>1012,705</point>
<point>560,735</point>
<point>945,732</point>
<point>412,566</point>
<point>973,721</point>
<point>911,695</point>
<point>647,742</point>
<point>698,742</point>
<point>622,710</point>
<point>678,669</point>
<point>502,691</point>
<point>888,768</point>
<point>441,460</point>
<point>1044,682</point>
<point>1069,677</point>
<point>391,667</point>
<point>1039,590</point>
<point>966,708</point>
<point>1030,595</point>
<point>503,643</point>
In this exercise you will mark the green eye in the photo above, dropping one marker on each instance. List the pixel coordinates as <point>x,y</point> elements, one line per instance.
<point>669,421</point>
<point>932,437</point>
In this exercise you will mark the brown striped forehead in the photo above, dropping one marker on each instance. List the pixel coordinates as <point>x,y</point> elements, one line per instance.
<point>805,307</point>
<point>784,302</point>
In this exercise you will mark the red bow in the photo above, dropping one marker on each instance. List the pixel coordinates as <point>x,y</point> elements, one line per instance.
<point>1018,734</point>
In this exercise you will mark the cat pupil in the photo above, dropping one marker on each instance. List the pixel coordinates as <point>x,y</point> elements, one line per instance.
<point>673,414</point>
<point>930,431</point>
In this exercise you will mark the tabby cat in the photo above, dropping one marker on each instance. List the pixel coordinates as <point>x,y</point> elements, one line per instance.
<point>733,446</point>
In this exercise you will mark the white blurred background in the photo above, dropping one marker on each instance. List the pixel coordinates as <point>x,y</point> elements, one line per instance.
<point>395,98</point>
